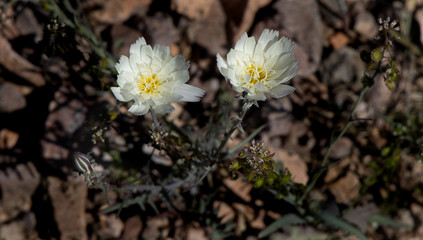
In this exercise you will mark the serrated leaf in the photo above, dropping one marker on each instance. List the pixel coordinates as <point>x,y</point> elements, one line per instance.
<point>153,205</point>
<point>336,222</point>
<point>120,206</point>
<point>141,201</point>
<point>288,219</point>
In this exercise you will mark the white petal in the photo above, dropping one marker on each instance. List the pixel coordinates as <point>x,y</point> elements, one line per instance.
<point>176,64</point>
<point>250,45</point>
<point>266,39</point>
<point>258,58</point>
<point>275,49</point>
<point>179,63</point>
<point>241,42</point>
<point>220,63</point>
<point>139,109</point>
<point>288,46</point>
<point>257,96</point>
<point>126,77</point>
<point>146,54</point>
<point>279,63</point>
<point>162,52</point>
<point>135,49</point>
<point>281,91</point>
<point>180,76</point>
<point>121,94</point>
<point>123,65</point>
<point>167,98</point>
<point>288,75</point>
<point>189,93</point>
<point>233,57</point>
<point>164,108</point>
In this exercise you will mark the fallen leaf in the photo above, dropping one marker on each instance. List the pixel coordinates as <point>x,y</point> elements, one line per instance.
<point>18,65</point>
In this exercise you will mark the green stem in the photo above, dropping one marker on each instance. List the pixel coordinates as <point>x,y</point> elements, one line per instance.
<point>326,157</point>
<point>156,123</point>
<point>247,105</point>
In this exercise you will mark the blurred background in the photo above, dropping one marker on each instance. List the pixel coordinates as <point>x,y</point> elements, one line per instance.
<point>57,65</point>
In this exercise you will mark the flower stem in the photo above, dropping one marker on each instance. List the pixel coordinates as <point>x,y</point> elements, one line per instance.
<point>156,123</point>
<point>326,157</point>
<point>237,125</point>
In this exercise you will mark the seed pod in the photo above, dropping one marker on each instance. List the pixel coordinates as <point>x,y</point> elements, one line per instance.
<point>82,163</point>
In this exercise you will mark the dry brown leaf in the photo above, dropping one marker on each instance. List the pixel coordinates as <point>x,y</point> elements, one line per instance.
<point>19,66</point>
<point>7,23</point>
<point>210,32</point>
<point>198,9</point>
<point>346,189</point>
<point>111,226</point>
<point>68,200</point>
<point>133,228</point>
<point>365,25</point>
<point>11,99</point>
<point>248,17</point>
<point>17,186</point>
<point>296,166</point>
<point>157,228</point>
<point>309,44</point>
<point>118,11</point>
<point>8,138</point>
<point>225,211</point>
<point>239,187</point>
<point>339,40</point>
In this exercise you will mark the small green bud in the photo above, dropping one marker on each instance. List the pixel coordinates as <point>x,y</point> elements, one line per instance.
<point>285,178</point>
<point>259,183</point>
<point>385,151</point>
<point>377,55</point>
<point>235,165</point>
<point>250,176</point>
<point>270,180</point>
<point>273,175</point>
<point>279,196</point>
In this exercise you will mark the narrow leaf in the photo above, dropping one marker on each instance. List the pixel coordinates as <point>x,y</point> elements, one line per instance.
<point>248,139</point>
<point>386,221</point>
<point>341,224</point>
<point>289,219</point>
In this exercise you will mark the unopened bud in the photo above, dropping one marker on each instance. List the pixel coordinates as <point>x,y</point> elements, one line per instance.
<point>82,163</point>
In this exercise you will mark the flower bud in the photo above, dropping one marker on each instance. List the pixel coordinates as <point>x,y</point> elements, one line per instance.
<point>82,163</point>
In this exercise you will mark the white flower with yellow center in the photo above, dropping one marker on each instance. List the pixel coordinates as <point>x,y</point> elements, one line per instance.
<point>260,68</point>
<point>153,79</point>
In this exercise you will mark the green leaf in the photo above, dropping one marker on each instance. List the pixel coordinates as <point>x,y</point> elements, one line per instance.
<point>341,224</point>
<point>248,139</point>
<point>288,219</point>
<point>386,221</point>
<point>153,205</point>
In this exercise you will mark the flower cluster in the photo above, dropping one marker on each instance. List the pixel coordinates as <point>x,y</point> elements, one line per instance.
<point>388,29</point>
<point>255,162</point>
<point>380,59</point>
<point>259,68</point>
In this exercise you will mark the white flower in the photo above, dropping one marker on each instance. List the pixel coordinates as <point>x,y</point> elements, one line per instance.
<point>153,79</point>
<point>262,67</point>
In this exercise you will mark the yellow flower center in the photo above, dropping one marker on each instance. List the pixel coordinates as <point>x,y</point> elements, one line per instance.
<point>148,84</point>
<point>257,74</point>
